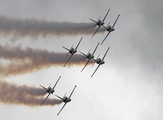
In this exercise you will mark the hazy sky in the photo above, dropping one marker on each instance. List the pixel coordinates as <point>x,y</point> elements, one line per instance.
<point>127,87</point>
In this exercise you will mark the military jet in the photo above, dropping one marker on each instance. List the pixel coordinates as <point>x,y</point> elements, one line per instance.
<point>72,51</point>
<point>100,61</point>
<point>89,56</point>
<point>49,89</point>
<point>110,28</point>
<point>65,99</point>
<point>99,22</point>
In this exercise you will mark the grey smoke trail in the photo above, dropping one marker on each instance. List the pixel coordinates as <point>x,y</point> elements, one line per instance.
<point>29,60</point>
<point>34,28</point>
<point>11,93</point>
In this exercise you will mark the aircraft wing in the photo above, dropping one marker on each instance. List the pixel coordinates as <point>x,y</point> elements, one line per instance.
<point>78,43</point>
<point>85,64</point>
<point>115,21</point>
<point>61,108</point>
<point>95,70</point>
<point>93,20</point>
<point>56,82</point>
<point>104,27</point>
<point>68,60</point>
<point>44,87</point>
<point>105,53</point>
<point>59,97</point>
<point>83,53</point>
<point>65,48</point>
<point>45,98</point>
<point>72,91</point>
<point>106,14</point>
<point>105,37</point>
<point>95,48</point>
<point>96,30</point>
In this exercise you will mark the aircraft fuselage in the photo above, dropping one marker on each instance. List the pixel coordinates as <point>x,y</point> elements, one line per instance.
<point>50,90</point>
<point>110,29</point>
<point>72,51</point>
<point>99,61</point>
<point>100,23</point>
<point>90,56</point>
<point>66,99</point>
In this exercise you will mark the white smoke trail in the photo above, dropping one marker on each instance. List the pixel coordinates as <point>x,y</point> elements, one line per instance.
<point>35,28</point>
<point>11,93</point>
<point>28,60</point>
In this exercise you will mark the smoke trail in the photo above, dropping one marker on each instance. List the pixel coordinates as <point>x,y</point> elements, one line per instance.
<point>13,94</point>
<point>34,28</point>
<point>29,60</point>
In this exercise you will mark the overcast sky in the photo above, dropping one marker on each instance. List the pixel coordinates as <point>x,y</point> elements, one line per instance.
<point>127,87</point>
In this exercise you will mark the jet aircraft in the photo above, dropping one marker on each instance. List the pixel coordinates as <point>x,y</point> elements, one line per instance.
<point>110,28</point>
<point>65,99</point>
<point>49,89</point>
<point>89,56</point>
<point>72,51</point>
<point>99,61</point>
<point>99,22</point>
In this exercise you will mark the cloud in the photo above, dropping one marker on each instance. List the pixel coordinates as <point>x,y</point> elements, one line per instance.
<point>148,40</point>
